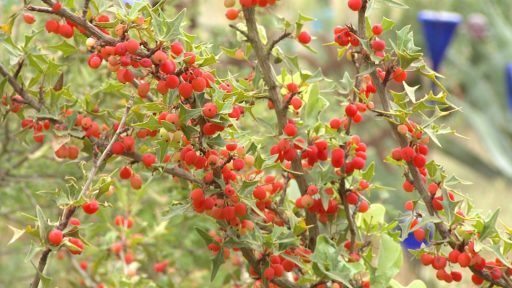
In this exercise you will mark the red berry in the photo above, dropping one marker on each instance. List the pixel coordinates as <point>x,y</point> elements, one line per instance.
<point>419,161</point>
<point>399,75</point>
<point>351,110</point>
<point>363,206</point>
<point>132,46</point>
<point>168,67</point>
<point>355,5</point>
<point>304,37</point>
<point>407,153</point>
<point>337,157</point>
<point>439,262</point>
<point>290,129</point>
<point>408,186</point>
<point>378,45</point>
<point>232,14</point>
<point>74,221</point>
<point>176,48</point>
<point>91,207</point>
<point>456,276</point>
<point>269,273</point>
<point>94,61</point>
<point>52,26</point>
<point>136,181</point>
<point>210,110</point>
<point>118,148</point>
<point>419,234</point>
<point>125,173</point>
<point>65,30</point>
<point>29,18</point>
<point>78,246</point>
<point>476,280</point>
<point>377,29</point>
<point>426,259</point>
<point>148,159</point>
<point>172,82</point>
<point>199,84</point>
<point>55,237</point>
<point>409,205</point>
<point>186,90</point>
<point>259,193</point>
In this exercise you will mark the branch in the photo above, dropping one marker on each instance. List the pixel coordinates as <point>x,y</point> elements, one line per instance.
<point>276,41</point>
<point>19,90</point>
<point>280,110</point>
<point>70,210</point>
<point>85,9</point>
<point>249,38</point>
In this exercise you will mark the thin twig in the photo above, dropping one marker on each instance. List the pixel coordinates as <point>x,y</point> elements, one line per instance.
<point>18,89</point>
<point>70,210</point>
<point>276,41</point>
<point>85,9</point>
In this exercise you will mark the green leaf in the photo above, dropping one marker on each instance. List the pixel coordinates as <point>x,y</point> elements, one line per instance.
<point>387,24</point>
<point>151,124</point>
<point>167,29</point>
<point>369,172</point>
<point>64,47</point>
<point>314,104</point>
<point>206,237</point>
<point>17,234</point>
<point>389,261</point>
<point>42,223</point>
<point>216,263</point>
<point>374,215</point>
<point>489,227</point>
<point>175,210</point>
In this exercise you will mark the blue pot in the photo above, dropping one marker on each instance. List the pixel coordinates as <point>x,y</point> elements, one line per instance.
<point>438,30</point>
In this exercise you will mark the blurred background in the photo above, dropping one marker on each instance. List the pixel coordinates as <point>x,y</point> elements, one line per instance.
<point>474,66</point>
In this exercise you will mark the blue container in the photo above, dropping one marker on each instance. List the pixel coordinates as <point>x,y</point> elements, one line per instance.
<point>438,29</point>
<point>509,84</point>
<point>410,242</point>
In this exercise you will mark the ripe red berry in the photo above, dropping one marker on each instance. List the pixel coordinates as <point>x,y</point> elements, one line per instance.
<point>52,26</point>
<point>476,280</point>
<point>399,75</point>
<point>55,237</point>
<point>304,37</point>
<point>29,18</point>
<point>453,256</point>
<point>351,110</point>
<point>199,84</point>
<point>439,262</point>
<point>132,46</point>
<point>419,161</point>
<point>232,14</point>
<point>378,45</point>
<point>56,7</point>
<point>407,153</point>
<point>78,246</point>
<point>176,48</point>
<point>456,276</point>
<point>355,5</point>
<point>186,90</point>
<point>118,148</point>
<point>269,273</point>
<point>363,206</point>
<point>377,29</point>
<point>352,198</point>
<point>94,61</point>
<point>464,259</point>
<point>335,123</point>
<point>259,193</point>
<point>408,186</point>
<point>148,159</point>
<point>125,173</point>
<point>419,234</point>
<point>426,259</point>
<point>74,221</point>
<point>409,205</point>
<point>65,30</point>
<point>337,157</point>
<point>91,207</point>
<point>136,181</point>
<point>210,110</point>
<point>290,129</point>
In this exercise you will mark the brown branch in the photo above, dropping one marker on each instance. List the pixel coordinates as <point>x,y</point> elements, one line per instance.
<point>85,9</point>
<point>276,41</point>
<point>70,210</point>
<point>281,111</point>
<point>19,90</point>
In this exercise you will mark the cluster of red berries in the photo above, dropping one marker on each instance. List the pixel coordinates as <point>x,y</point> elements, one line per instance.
<point>226,207</point>
<point>466,257</point>
<point>15,104</point>
<point>232,13</point>
<point>344,37</point>
<point>38,127</point>
<point>398,74</point>
<point>67,151</point>
<point>313,203</point>
<point>56,237</point>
